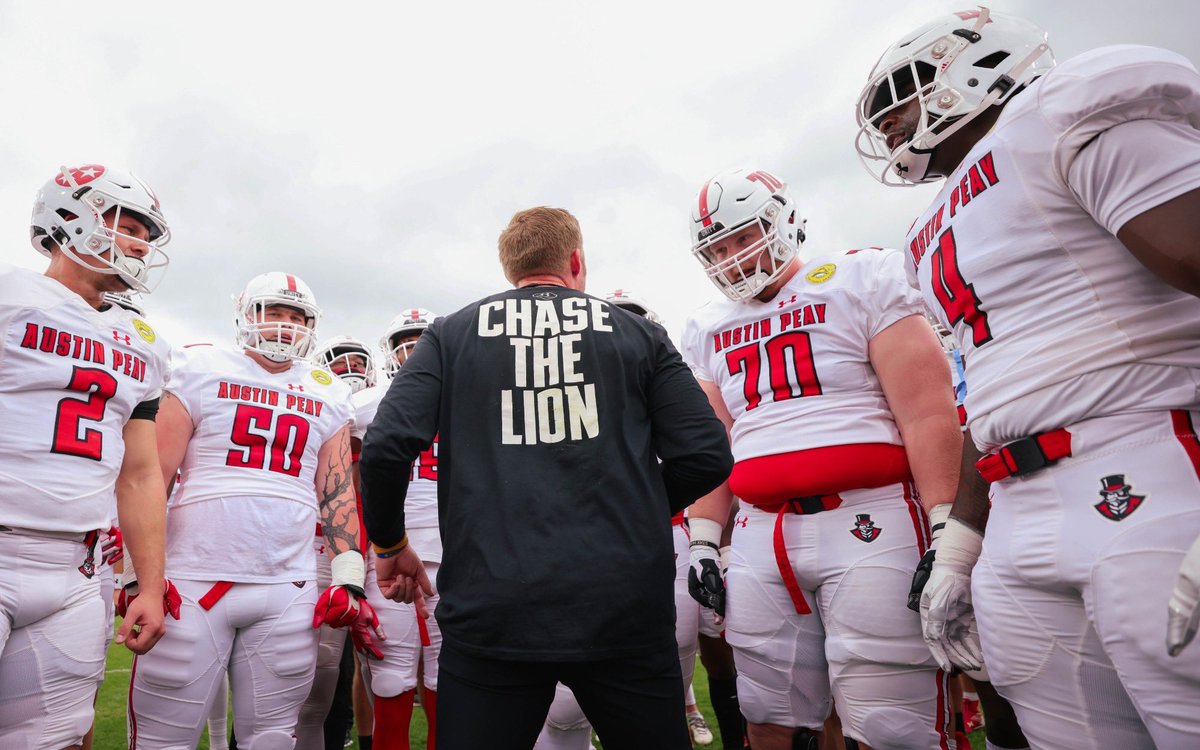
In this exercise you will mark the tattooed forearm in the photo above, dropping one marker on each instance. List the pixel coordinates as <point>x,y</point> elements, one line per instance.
<point>339,512</point>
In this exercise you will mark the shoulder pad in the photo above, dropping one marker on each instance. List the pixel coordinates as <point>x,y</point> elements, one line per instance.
<point>1095,91</point>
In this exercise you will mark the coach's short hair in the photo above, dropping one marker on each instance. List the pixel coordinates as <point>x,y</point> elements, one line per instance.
<point>538,240</point>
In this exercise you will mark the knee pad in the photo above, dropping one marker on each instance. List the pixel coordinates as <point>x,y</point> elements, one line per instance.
<point>576,726</point>
<point>897,729</point>
<point>389,684</point>
<point>565,712</point>
<point>867,618</point>
<point>270,740</point>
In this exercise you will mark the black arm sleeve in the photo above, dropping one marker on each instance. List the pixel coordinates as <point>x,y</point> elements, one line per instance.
<point>405,424</point>
<point>689,438</point>
<point>146,410</point>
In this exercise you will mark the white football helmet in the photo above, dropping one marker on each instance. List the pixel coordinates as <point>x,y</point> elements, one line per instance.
<point>334,355</point>
<point>412,320</point>
<point>955,68</point>
<point>276,340</point>
<point>729,203</point>
<point>68,214</point>
<point>126,301</point>
<point>635,305</point>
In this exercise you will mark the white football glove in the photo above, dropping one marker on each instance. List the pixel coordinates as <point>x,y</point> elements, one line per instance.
<point>947,617</point>
<point>1183,611</point>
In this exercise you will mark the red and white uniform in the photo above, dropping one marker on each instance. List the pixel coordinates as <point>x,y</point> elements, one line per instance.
<point>70,378</point>
<point>820,597</point>
<point>239,548</point>
<point>1062,328</point>
<point>247,506</point>
<point>411,641</point>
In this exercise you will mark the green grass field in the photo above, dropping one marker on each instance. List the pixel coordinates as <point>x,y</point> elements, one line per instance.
<point>110,708</point>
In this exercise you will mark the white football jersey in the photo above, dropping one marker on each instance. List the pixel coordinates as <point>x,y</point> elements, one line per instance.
<point>1056,320</point>
<point>420,504</point>
<point>247,501</point>
<point>70,376</point>
<point>794,371</point>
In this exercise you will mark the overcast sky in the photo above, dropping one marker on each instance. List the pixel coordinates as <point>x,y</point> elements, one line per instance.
<point>377,149</point>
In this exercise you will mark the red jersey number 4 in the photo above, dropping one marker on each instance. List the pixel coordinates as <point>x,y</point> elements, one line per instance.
<point>954,294</point>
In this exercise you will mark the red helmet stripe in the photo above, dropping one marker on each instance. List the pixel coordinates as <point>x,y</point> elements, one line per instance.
<point>705,219</point>
<point>291,282</point>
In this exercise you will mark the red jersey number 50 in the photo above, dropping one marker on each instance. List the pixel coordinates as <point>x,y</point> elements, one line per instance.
<point>256,429</point>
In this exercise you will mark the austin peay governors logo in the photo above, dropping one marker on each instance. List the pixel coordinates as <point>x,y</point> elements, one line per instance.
<point>864,528</point>
<point>1117,498</point>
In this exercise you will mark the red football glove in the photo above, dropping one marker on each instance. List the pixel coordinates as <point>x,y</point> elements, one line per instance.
<point>339,604</point>
<point>366,632</point>
<point>113,549</point>
<point>172,601</point>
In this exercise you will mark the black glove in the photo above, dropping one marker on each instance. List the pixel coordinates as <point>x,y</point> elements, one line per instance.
<point>920,578</point>
<point>704,579</point>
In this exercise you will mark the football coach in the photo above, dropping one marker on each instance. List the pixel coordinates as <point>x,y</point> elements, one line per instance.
<point>570,432</point>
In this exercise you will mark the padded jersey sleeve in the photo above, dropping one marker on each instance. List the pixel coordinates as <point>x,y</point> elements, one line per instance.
<point>891,297</point>
<point>1134,167</point>
<point>182,381</point>
<point>692,350</point>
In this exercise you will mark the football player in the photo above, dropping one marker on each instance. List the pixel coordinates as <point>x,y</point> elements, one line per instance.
<point>80,386</point>
<point>412,643</point>
<point>262,440</point>
<point>351,361</point>
<point>1070,204</point>
<point>838,400</point>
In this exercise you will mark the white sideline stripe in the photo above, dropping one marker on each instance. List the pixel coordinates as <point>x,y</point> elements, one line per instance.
<point>117,669</point>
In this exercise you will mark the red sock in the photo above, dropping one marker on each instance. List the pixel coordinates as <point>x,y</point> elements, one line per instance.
<point>392,718</point>
<point>429,703</point>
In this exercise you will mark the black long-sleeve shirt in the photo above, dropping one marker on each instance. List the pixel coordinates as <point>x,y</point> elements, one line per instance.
<point>553,410</point>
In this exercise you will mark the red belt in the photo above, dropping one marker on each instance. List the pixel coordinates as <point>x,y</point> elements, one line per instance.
<point>805,506</point>
<point>678,519</point>
<point>1025,456</point>
<point>423,631</point>
<point>219,589</point>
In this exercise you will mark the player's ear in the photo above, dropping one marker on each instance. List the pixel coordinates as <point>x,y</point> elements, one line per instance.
<point>578,267</point>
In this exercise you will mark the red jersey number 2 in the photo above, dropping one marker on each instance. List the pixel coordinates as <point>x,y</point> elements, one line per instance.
<point>99,386</point>
<point>954,294</point>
